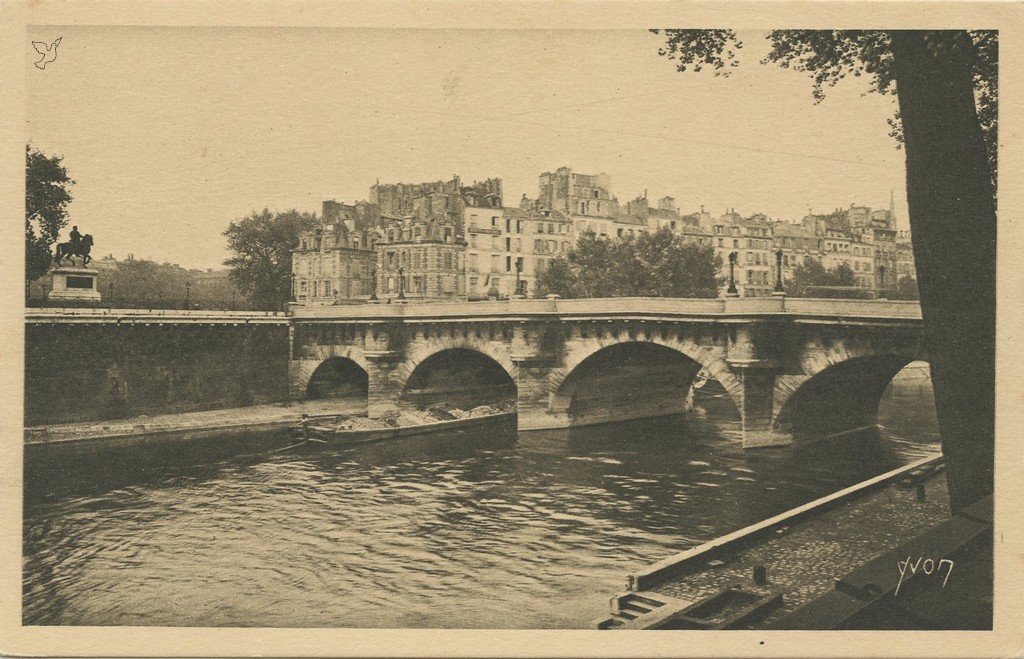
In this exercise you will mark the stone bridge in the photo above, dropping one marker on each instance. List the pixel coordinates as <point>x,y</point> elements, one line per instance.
<point>790,365</point>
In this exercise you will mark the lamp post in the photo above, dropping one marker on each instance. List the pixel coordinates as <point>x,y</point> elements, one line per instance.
<point>731,291</point>
<point>881,277</point>
<point>519,271</point>
<point>401,283</point>
<point>294,295</point>
<point>373,284</point>
<point>779,290</point>
<point>188,292</point>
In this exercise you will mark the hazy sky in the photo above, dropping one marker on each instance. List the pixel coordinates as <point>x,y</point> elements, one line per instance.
<point>171,133</point>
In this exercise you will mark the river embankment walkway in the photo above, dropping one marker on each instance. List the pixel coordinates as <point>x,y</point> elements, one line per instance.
<point>803,554</point>
<point>238,418</point>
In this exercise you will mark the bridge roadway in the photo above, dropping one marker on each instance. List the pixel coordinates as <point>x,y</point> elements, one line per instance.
<point>789,364</point>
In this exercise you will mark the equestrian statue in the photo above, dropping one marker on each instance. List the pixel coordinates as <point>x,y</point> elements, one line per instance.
<point>79,245</point>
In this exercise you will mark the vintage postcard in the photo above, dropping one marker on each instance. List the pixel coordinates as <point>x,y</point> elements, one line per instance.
<point>576,328</point>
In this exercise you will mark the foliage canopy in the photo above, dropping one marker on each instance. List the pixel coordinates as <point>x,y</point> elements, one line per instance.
<point>47,195</point>
<point>659,264</point>
<point>262,244</point>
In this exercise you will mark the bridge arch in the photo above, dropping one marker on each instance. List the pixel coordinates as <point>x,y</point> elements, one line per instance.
<point>303,368</point>
<point>841,386</point>
<point>460,375</point>
<point>605,379</point>
<point>338,377</point>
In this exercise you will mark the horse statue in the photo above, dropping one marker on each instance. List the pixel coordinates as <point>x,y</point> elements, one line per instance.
<point>70,250</point>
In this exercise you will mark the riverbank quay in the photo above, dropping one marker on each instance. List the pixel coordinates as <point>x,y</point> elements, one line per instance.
<point>279,415</point>
<point>803,554</point>
<point>117,451</point>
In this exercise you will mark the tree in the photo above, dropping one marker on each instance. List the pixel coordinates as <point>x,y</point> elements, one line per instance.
<point>905,289</point>
<point>946,84</point>
<point>47,196</point>
<point>661,264</point>
<point>813,275</point>
<point>262,263</point>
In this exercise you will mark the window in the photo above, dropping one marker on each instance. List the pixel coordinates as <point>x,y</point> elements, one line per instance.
<point>720,242</point>
<point>735,244</point>
<point>508,264</point>
<point>508,244</point>
<point>538,246</point>
<point>595,194</point>
<point>540,227</point>
<point>551,227</point>
<point>508,225</point>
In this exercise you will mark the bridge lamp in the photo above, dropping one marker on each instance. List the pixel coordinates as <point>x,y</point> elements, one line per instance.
<point>732,275</point>
<point>401,283</point>
<point>778,270</point>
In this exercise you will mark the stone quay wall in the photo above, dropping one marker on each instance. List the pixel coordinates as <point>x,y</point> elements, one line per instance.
<point>95,372</point>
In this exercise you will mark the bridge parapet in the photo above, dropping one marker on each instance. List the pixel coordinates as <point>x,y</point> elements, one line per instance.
<point>150,316</point>
<point>621,306</point>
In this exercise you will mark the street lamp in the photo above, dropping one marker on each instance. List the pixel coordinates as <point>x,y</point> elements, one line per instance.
<point>401,283</point>
<point>188,292</point>
<point>881,276</point>
<point>731,291</point>
<point>779,290</point>
<point>373,284</point>
<point>519,270</point>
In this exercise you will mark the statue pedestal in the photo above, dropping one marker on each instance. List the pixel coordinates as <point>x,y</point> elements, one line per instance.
<point>74,284</point>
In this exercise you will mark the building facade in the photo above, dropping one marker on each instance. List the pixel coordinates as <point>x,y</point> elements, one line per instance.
<point>331,266</point>
<point>419,259</point>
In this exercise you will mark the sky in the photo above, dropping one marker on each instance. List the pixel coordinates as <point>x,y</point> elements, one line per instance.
<point>171,133</point>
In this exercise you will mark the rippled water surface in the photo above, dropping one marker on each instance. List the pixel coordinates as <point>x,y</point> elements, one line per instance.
<point>487,529</point>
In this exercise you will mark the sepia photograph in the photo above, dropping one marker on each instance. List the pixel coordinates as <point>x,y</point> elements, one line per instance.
<point>521,327</point>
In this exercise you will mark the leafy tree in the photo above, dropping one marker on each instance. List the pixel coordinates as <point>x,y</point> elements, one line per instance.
<point>47,196</point>
<point>813,275</point>
<point>946,84</point>
<point>661,264</point>
<point>262,243</point>
<point>905,289</point>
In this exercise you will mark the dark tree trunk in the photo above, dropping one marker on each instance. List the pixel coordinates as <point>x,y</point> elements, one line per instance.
<point>953,223</point>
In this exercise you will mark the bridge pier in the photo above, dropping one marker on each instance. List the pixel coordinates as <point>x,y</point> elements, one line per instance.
<point>757,377</point>
<point>533,398</point>
<point>382,390</point>
<point>748,358</point>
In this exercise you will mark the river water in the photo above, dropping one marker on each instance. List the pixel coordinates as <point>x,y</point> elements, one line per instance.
<point>476,529</point>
